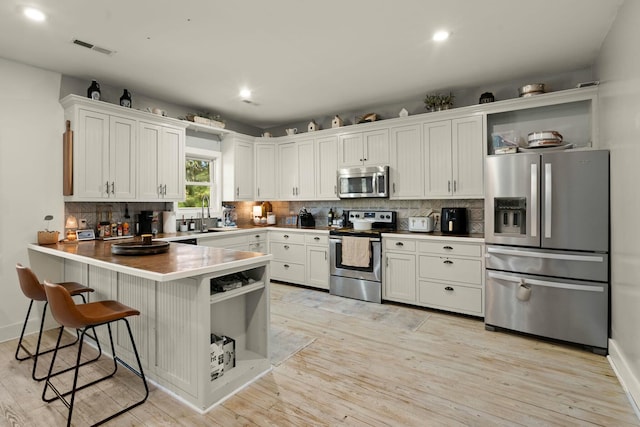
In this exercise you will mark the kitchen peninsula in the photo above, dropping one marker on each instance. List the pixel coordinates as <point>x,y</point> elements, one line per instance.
<point>179,311</point>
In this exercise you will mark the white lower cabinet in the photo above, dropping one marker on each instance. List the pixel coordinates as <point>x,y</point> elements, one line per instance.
<point>300,257</point>
<point>442,274</point>
<point>255,242</point>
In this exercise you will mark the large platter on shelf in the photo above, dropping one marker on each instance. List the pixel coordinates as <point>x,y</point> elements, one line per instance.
<point>137,248</point>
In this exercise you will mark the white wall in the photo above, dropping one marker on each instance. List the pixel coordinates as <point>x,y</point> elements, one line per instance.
<point>31,127</point>
<point>618,68</point>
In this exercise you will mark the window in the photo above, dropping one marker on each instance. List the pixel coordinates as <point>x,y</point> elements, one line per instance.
<point>202,178</point>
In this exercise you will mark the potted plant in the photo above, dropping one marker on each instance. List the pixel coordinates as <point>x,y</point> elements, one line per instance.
<point>431,102</point>
<point>446,101</point>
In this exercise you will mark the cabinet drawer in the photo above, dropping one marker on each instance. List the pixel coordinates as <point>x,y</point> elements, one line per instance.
<point>223,242</point>
<point>399,245</point>
<point>257,237</point>
<point>450,269</point>
<point>454,297</point>
<point>288,252</point>
<point>317,239</point>
<point>288,272</point>
<point>450,248</point>
<point>279,236</point>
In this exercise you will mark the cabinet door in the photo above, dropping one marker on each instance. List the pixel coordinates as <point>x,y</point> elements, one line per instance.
<point>326,168</point>
<point>91,155</point>
<point>468,157</point>
<point>376,147</point>
<point>400,277</point>
<point>437,152</point>
<point>288,170</point>
<point>318,266</point>
<point>149,136</point>
<point>171,164</point>
<point>306,170</point>
<point>244,170</point>
<point>350,150</point>
<point>122,158</point>
<point>266,167</point>
<point>407,180</point>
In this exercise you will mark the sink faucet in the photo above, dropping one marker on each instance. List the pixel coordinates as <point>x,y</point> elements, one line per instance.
<point>205,226</point>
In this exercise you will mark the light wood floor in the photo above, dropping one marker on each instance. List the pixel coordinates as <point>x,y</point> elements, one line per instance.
<point>362,364</point>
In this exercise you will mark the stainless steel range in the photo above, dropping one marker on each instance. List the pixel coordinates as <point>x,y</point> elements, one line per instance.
<point>356,255</point>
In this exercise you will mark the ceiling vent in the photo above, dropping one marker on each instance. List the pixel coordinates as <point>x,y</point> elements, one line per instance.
<point>93,47</point>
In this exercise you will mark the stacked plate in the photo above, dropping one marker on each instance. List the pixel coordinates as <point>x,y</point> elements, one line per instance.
<point>547,138</point>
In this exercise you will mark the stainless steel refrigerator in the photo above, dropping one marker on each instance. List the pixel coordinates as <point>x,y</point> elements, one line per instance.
<point>547,252</point>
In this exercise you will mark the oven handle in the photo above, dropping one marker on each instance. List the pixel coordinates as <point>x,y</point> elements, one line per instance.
<point>339,239</point>
<point>546,283</point>
<point>531,254</point>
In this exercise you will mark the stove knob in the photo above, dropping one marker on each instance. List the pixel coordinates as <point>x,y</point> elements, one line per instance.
<point>357,215</point>
<point>388,216</point>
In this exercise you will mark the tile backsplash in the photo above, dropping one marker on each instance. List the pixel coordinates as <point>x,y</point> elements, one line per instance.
<point>405,209</point>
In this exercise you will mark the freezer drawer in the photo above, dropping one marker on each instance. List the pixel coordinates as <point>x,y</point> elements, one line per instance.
<point>568,310</point>
<point>587,266</point>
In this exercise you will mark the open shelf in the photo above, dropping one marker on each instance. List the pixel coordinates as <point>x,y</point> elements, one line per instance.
<point>223,296</point>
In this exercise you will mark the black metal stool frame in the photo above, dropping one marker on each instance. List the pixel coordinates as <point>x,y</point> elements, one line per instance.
<point>38,353</point>
<point>75,388</point>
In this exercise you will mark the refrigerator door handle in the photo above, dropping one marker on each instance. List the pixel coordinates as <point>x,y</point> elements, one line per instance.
<point>531,254</point>
<point>534,200</point>
<point>558,285</point>
<point>548,185</point>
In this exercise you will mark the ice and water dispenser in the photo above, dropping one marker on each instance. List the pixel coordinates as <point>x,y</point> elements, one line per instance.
<point>510,215</point>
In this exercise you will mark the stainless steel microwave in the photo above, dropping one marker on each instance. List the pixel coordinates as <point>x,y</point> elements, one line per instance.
<point>370,181</point>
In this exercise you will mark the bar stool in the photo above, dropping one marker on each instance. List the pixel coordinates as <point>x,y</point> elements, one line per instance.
<point>34,290</point>
<point>84,317</point>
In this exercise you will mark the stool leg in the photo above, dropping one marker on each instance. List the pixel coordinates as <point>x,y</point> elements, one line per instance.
<point>24,327</point>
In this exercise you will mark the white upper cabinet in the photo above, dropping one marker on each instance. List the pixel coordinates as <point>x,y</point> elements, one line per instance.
<point>266,171</point>
<point>454,158</point>
<point>237,168</point>
<point>296,176</point>
<point>104,156</point>
<point>370,148</point>
<point>406,166</point>
<point>161,166</point>
<point>326,168</point>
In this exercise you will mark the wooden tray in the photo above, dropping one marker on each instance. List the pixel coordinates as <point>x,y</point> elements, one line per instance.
<point>137,248</point>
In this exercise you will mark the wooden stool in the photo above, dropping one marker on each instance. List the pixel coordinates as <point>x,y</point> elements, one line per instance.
<point>84,317</point>
<point>34,290</point>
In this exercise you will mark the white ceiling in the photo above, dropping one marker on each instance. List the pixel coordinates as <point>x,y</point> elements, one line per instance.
<point>304,58</point>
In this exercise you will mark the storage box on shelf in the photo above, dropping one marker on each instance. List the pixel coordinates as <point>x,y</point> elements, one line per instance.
<point>442,274</point>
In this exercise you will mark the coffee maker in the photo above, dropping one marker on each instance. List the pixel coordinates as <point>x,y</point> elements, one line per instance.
<point>145,222</point>
<point>454,221</point>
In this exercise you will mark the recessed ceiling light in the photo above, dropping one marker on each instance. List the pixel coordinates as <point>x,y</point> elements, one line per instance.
<point>439,36</point>
<point>245,93</point>
<point>34,14</point>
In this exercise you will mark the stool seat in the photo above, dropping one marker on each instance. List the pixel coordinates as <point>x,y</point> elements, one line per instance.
<point>34,290</point>
<point>84,317</point>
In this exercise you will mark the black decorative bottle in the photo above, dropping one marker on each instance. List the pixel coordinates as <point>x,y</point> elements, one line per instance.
<point>94,91</point>
<point>125,99</point>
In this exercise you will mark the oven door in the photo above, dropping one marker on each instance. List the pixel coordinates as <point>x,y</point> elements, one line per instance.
<point>371,272</point>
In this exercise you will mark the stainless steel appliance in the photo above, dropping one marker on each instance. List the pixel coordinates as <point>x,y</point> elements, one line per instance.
<point>371,181</point>
<point>363,282</point>
<point>547,235</point>
<point>454,221</point>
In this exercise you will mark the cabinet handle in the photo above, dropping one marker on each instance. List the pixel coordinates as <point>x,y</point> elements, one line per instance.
<point>394,187</point>
<point>448,261</point>
<point>286,236</point>
<point>399,244</point>
<point>164,190</point>
<point>286,266</point>
<point>365,159</point>
<point>106,188</point>
<point>448,288</point>
<point>258,191</point>
<point>237,191</point>
<point>449,186</point>
<point>335,189</point>
<point>454,186</point>
<point>387,262</point>
<point>257,236</point>
<point>293,191</point>
<point>316,238</point>
<point>113,187</point>
<point>362,160</point>
<point>325,255</point>
<point>447,248</point>
<point>286,246</point>
<point>159,190</point>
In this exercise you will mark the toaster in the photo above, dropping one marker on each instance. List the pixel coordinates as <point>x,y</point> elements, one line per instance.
<point>423,224</point>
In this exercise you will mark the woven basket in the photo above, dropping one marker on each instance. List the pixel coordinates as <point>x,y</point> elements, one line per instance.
<point>48,237</point>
